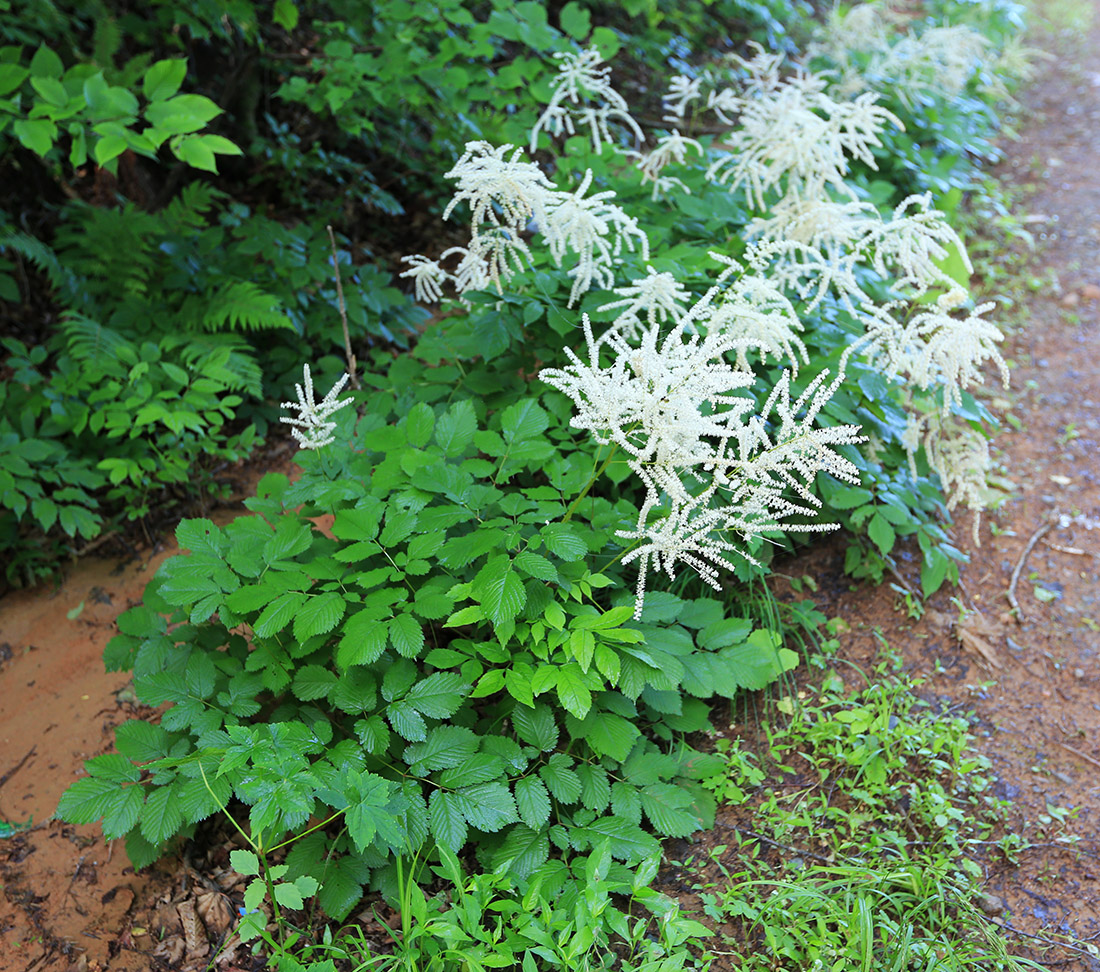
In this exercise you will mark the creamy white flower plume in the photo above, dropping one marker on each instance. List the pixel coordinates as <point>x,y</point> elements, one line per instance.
<point>489,181</point>
<point>671,147</point>
<point>428,277</point>
<point>582,97</point>
<point>312,428</point>
<point>595,229</point>
<point>646,302</point>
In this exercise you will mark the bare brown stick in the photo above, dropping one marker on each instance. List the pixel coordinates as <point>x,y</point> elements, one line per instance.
<point>1076,551</point>
<point>343,311</point>
<point>17,767</point>
<point>1085,756</point>
<point>1011,592</point>
<point>95,544</point>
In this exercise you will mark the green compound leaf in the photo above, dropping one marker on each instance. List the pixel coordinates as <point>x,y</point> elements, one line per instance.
<point>535,725</point>
<point>446,746</point>
<point>161,816</point>
<point>454,430</point>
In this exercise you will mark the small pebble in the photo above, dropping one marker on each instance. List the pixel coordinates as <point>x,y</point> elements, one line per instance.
<point>990,904</point>
<point>1078,673</point>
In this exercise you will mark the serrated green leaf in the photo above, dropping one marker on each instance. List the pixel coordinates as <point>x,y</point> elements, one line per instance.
<point>536,726</point>
<point>141,741</point>
<point>523,851</point>
<point>419,425</point>
<point>532,802</point>
<point>479,768</point>
<point>163,79</point>
<point>446,746</point>
<point>562,541</point>
<point>667,807</point>
<point>455,428</point>
<point>595,787</point>
<point>244,862</point>
<point>407,722</point>
<point>363,641</point>
<point>86,800</point>
<point>535,565</point>
<point>523,420</point>
<point>439,695</point>
<point>560,779</point>
<point>161,818</point>
<point>488,806</point>
<point>312,682</point>
<point>289,896</point>
<point>319,615</point>
<point>278,614</point>
<point>626,841</point>
<point>881,533</point>
<point>124,812</point>
<point>499,590</point>
<point>446,820</point>
<point>406,635</point>
<point>573,691</point>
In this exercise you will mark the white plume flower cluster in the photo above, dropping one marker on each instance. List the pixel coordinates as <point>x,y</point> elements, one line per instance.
<point>958,454</point>
<point>716,468</point>
<point>582,97</point>
<point>508,197</point>
<point>671,147</point>
<point>594,229</point>
<point>811,245</point>
<point>646,302</point>
<point>873,52</point>
<point>798,140</point>
<point>935,349</point>
<point>312,428</point>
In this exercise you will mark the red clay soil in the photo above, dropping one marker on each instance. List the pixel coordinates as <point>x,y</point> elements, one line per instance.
<point>71,901</point>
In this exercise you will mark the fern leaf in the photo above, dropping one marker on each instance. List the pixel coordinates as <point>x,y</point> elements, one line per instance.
<point>42,256</point>
<point>242,305</point>
<point>88,340</point>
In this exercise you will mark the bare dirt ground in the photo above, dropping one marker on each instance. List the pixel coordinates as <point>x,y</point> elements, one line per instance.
<point>71,902</point>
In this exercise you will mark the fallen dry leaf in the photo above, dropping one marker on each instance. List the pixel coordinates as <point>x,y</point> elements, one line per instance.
<point>216,912</point>
<point>973,630</point>
<point>194,934</point>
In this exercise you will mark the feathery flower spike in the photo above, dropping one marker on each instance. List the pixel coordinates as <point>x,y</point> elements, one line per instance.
<point>311,428</point>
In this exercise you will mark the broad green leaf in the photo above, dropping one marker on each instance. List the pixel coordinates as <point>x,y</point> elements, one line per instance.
<point>535,565</point>
<point>181,114</point>
<point>419,425</point>
<point>446,746</point>
<point>161,817</point>
<point>363,641</point>
<point>439,695</point>
<point>575,20</point>
<point>881,533</point>
<point>667,807</point>
<point>124,812</point>
<point>573,691</point>
<point>523,420</point>
<point>289,896</point>
<point>499,590</point>
<point>278,613</point>
<point>595,787</point>
<point>406,635</point>
<point>561,541</point>
<point>523,851</point>
<point>319,615</point>
<point>479,768</point>
<point>535,725</point>
<point>446,820</point>
<point>407,722</point>
<point>560,779</point>
<point>626,841</point>
<point>244,862</point>
<point>291,538</point>
<point>532,802</point>
<point>455,428</point>
<point>87,799</point>
<point>163,79</point>
<point>312,682</point>
<point>488,806</point>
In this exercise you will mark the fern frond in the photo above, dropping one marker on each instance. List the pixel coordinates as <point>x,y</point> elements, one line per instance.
<point>88,340</point>
<point>243,305</point>
<point>224,357</point>
<point>32,249</point>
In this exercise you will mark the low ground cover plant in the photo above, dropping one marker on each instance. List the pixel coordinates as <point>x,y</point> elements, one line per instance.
<point>470,648</point>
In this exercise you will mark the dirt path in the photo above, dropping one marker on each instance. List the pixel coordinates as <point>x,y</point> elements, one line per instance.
<point>1037,697</point>
<point>70,902</point>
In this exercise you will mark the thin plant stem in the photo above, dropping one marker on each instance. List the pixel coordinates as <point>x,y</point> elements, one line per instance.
<point>591,482</point>
<point>343,311</point>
